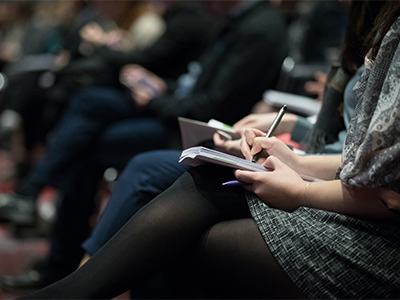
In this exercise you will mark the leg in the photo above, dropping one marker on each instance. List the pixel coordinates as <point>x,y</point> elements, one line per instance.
<point>157,236</point>
<point>235,262</point>
<point>146,176</point>
<point>89,113</point>
<point>124,139</point>
<point>72,224</point>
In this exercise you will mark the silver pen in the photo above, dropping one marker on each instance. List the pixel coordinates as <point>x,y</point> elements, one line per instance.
<point>271,130</point>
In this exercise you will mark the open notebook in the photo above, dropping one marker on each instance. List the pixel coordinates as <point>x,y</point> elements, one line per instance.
<point>195,156</point>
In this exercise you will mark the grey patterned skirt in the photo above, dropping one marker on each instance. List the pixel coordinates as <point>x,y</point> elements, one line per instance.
<point>329,255</point>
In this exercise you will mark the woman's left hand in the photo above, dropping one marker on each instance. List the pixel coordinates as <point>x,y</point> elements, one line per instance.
<point>280,188</point>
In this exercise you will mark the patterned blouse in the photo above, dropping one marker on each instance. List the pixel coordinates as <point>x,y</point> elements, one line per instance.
<point>371,153</point>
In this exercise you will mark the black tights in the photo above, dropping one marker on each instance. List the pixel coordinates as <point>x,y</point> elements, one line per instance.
<point>194,216</point>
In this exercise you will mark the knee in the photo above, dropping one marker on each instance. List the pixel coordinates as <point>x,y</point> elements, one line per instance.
<point>139,166</point>
<point>152,172</point>
<point>140,171</point>
<point>82,101</point>
<point>90,100</point>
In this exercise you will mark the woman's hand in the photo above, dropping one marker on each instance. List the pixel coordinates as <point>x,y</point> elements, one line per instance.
<point>260,121</point>
<point>254,141</point>
<point>316,86</point>
<point>391,199</point>
<point>264,121</point>
<point>280,188</point>
<point>228,146</point>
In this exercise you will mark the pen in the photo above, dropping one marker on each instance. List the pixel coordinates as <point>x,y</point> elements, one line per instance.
<point>271,130</point>
<point>232,183</point>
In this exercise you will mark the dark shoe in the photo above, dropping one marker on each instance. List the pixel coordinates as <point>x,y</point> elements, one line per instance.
<point>41,275</point>
<point>17,209</point>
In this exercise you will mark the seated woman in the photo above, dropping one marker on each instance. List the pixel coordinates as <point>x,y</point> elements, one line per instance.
<point>277,236</point>
<point>150,173</point>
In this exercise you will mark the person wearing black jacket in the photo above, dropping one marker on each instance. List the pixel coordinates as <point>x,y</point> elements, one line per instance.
<point>242,62</point>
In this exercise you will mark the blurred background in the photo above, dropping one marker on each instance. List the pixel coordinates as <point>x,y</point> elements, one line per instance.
<point>45,51</point>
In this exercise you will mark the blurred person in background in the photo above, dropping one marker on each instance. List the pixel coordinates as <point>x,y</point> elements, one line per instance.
<point>49,41</point>
<point>187,33</point>
<point>54,60</point>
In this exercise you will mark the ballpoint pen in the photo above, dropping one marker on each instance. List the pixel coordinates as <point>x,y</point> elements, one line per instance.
<point>232,183</point>
<point>271,130</point>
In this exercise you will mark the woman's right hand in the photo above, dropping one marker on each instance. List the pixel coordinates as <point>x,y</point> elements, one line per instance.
<point>254,141</point>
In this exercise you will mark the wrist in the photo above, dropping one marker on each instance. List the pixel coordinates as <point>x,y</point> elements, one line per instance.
<point>305,195</point>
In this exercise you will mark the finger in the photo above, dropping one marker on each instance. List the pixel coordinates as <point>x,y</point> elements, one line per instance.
<point>320,76</point>
<point>256,148</point>
<point>272,163</point>
<point>245,148</point>
<point>246,143</point>
<point>244,176</point>
<point>266,144</point>
<point>312,87</point>
<point>129,68</point>
<point>218,141</point>
<point>243,122</point>
<point>259,145</point>
<point>140,97</point>
<point>251,133</point>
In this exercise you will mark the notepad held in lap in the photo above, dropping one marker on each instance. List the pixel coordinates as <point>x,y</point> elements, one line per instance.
<point>196,156</point>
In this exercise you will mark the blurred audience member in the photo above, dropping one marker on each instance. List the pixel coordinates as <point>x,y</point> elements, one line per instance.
<point>188,32</point>
<point>37,108</point>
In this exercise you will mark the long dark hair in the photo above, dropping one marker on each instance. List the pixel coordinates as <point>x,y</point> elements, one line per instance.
<point>360,34</point>
<point>387,15</point>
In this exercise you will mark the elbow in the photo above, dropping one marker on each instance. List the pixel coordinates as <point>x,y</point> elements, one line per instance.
<point>391,200</point>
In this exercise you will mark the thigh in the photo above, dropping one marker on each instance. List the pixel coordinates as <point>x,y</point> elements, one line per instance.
<point>107,104</point>
<point>122,140</point>
<point>235,262</point>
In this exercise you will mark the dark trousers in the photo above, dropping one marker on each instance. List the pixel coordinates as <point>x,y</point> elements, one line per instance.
<point>100,129</point>
<point>97,117</point>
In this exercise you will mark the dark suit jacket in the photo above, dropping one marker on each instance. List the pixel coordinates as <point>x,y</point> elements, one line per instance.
<point>241,64</point>
<point>189,31</point>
